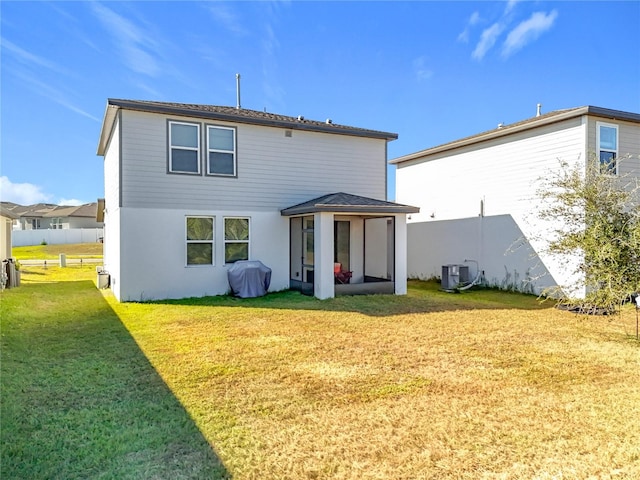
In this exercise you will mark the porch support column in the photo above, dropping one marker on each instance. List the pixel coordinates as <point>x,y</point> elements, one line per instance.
<point>323,253</point>
<point>400,277</point>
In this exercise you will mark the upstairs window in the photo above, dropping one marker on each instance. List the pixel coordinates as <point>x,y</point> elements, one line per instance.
<point>607,141</point>
<point>199,240</point>
<point>236,239</point>
<point>221,151</point>
<point>184,147</point>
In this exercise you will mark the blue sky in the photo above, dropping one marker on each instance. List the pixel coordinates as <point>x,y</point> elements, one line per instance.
<point>430,71</point>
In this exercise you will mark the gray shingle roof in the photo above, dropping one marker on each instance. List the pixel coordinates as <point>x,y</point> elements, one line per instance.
<point>86,210</point>
<point>347,203</point>
<point>231,114</point>
<point>4,212</point>
<point>48,210</point>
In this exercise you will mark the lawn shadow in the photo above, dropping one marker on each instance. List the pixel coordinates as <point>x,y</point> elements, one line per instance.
<point>81,400</point>
<point>422,297</point>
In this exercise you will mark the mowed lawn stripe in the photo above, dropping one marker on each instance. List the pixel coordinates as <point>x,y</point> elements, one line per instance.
<point>80,400</point>
<point>483,384</point>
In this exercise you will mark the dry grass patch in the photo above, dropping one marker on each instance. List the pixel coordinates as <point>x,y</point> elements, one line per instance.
<point>480,385</point>
<point>483,384</point>
<point>47,252</point>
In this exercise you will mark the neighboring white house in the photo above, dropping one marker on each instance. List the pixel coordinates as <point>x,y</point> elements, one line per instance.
<point>477,195</point>
<point>44,216</point>
<point>190,189</point>
<point>54,224</point>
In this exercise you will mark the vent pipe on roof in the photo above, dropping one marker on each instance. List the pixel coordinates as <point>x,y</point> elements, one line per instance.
<point>539,109</point>
<point>238,91</point>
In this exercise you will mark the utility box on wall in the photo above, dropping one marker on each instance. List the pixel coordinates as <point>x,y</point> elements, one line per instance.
<point>104,279</point>
<point>454,276</point>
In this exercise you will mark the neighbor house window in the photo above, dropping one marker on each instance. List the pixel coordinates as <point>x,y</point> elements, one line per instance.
<point>35,223</point>
<point>607,141</point>
<point>56,223</point>
<point>199,240</point>
<point>236,239</point>
<point>184,147</point>
<point>221,151</point>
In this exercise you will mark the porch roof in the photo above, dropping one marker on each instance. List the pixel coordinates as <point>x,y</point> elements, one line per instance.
<point>347,203</point>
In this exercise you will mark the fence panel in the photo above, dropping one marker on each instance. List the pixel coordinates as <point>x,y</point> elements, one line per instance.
<point>21,238</point>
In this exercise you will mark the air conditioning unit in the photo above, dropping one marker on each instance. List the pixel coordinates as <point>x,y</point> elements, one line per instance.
<point>454,276</point>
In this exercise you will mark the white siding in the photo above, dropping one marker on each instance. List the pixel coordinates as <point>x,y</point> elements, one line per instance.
<point>111,260</point>
<point>112,169</point>
<point>628,143</point>
<point>153,256</point>
<point>504,174</point>
<point>111,247</point>
<point>274,171</point>
<point>81,222</point>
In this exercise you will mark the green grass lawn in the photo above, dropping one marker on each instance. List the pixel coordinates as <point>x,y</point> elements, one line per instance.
<point>47,252</point>
<point>482,384</point>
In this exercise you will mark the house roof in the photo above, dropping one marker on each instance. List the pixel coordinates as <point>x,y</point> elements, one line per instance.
<point>36,210</point>
<point>5,212</point>
<point>229,114</point>
<point>48,210</point>
<point>86,210</point>
<point>504,130</point>
<point>347,203</point>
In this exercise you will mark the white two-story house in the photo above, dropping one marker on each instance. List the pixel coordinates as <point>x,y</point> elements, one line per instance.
<point>191,189</point>
<point>478,195</point>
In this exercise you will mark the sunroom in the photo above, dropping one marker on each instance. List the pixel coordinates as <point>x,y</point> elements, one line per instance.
<point>343,244</point>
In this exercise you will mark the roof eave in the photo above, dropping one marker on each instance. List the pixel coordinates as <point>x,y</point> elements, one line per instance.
<point>508,130</point>
<point>107,127</point>
<point>369,210</point>
<point>246,120</point>
<point>501,132</point>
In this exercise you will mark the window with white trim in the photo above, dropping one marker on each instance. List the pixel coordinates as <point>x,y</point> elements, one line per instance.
<point>607,141</point>
<point>56,223</point>
<point>221,151</point>
<point>199,234</point>
<point>236,239</point>
<point>184,147</point>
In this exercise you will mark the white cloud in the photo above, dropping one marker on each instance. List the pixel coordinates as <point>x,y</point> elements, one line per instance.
<point>421,69</point>
<point>28,58</point>
<point>528,31</point>
<point>136,46</point>
<point>510,5</point>
<point>55,95</point>
<point>487,40</point>
<point>473,20</point>
<point>22,193</point>
<point>228,18</point>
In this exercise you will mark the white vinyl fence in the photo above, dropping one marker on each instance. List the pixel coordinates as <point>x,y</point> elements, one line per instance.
<point>21,238</point>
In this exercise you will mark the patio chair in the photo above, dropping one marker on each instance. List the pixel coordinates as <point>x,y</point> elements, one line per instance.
<point>341,276</point>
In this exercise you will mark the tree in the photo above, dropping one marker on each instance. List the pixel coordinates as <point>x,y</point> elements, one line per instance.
<point>595,232</point>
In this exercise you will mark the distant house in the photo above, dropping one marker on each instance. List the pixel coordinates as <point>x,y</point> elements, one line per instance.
<point>191,189</point>
<point>82,216</point>
<point>44,216</point>
<point>477,195</point>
